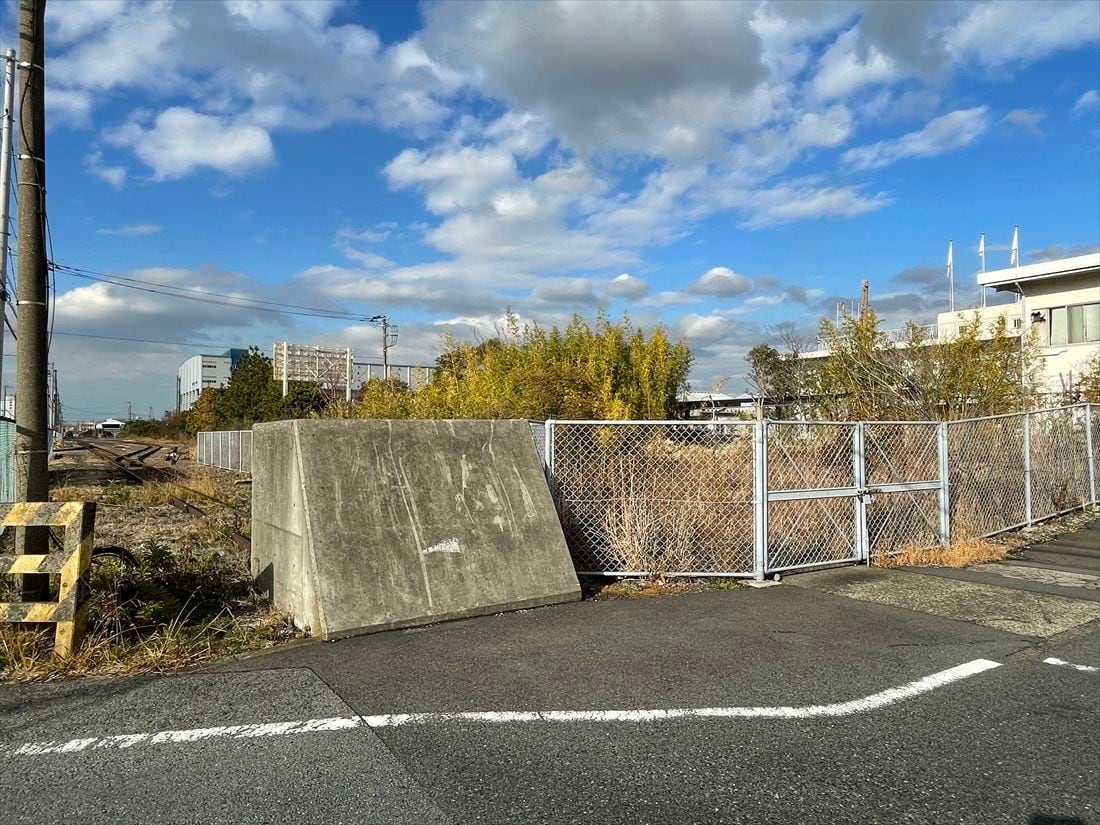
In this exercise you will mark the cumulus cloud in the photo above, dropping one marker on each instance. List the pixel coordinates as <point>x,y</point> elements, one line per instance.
<point>944,134</point>
<point>721,282</point>
<point>660,77</point>
<point>704,329</point>
<point>181,140</point>
<point>626,286</point>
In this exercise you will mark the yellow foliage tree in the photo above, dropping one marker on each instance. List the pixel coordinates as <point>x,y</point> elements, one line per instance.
<point>603,371</point>
<point>976,372</point>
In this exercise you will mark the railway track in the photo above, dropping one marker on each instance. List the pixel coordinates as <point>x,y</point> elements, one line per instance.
<point>132,464</point>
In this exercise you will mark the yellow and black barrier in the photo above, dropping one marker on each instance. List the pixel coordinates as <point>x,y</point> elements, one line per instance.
<point>72,562</point>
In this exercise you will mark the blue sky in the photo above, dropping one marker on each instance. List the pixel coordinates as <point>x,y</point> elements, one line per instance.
<point>718,168</point>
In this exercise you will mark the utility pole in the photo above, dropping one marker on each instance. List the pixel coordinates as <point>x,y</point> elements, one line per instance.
<point>864,298</point>
<point>6,116</point>
<point>32,476</point>
<point>389,338</point>
<point>129,411</point>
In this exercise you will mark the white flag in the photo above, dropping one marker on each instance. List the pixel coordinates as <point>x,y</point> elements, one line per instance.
<point>950,258</point>
<point>981,247</point>
<point>1015,246</point>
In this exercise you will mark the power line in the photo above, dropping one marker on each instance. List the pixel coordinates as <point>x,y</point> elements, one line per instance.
<point>204,296</point>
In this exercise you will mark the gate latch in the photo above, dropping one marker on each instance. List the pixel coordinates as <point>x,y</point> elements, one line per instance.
<point>868,493</point>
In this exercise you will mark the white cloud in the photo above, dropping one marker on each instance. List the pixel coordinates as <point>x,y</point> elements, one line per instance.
<point>721,282</point>
<point>664,78</point>
<point>1086,103</point>
<point>182,140</point>
<point>453,180</point>
<point>565,291</point>
<point>846,67</point>
<point>944,134</point>
<point>704,329</point>
<point>829,128</point>
<point>115,176</point>
<point>996,33</point>
<point>132,229</point>
<point>1028,120</point>
<point>72,107</point>
<point>799,200</point>
<point>626,286</point>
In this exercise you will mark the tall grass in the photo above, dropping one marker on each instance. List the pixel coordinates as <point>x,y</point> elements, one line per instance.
<point>174,609</point>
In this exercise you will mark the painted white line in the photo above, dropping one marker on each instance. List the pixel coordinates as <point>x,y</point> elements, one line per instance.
<point>1063,663</point>
<point>873,702</point>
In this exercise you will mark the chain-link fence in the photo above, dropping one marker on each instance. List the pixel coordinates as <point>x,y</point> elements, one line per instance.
<point>227,449</point>
<point>748,498</point>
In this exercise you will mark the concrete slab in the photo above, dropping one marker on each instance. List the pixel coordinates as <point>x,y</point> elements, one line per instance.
<point>1021,612</point>
<point>360,526</point>
<point>1056,585</point>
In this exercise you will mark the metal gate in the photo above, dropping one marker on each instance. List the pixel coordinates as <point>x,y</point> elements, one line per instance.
<point>814,485</point>
<point>905,500</point>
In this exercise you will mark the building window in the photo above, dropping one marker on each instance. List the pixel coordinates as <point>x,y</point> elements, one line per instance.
<point>1078,324</point>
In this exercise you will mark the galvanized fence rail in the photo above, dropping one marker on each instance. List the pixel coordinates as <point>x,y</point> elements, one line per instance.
<point>743,498</point>
<point>226,449</point>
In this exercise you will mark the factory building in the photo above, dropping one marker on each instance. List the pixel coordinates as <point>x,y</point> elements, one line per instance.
<point>201,371</point>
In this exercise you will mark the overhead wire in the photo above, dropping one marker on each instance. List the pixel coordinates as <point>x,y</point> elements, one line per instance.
<point>205,296</point>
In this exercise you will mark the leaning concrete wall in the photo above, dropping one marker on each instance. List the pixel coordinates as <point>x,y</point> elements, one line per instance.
<point>369,525</point>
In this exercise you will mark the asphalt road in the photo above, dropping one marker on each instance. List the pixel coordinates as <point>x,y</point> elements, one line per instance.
<point>1016,743</point>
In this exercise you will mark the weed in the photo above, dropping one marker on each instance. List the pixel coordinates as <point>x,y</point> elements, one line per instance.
<point>962,553</point>
<point>173,610</point>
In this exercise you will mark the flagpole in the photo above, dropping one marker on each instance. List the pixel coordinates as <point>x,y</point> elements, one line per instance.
<point>951,272</point>
<point>981,254</point>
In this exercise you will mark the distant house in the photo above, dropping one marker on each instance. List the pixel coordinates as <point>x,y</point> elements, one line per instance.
<point>108,428</point>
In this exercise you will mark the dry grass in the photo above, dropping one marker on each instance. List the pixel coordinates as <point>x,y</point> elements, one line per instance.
<point>175,609</point>
<point>962,553</point>
<point>653,587</point>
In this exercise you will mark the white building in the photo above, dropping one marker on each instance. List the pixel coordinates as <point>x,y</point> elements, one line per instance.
<point>201,371</point>
<point>1060,300</point>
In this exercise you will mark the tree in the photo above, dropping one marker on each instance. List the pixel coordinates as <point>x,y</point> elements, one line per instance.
<point>1089,383</point>
<point>203,415</point>
<point>251,395</point>
<point>977,372</point>
<point>606,370</point>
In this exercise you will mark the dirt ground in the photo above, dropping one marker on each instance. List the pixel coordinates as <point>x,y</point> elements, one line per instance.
<point>131,515</point>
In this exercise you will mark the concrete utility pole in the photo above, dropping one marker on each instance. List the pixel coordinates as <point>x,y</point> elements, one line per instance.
<point>32,476</point>
<point>7,114</point>
<point>389,338</point>
<point>864,298</point>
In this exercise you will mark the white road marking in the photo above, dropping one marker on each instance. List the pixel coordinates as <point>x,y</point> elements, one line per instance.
<point>873,702</point>
<point>1063,663</point>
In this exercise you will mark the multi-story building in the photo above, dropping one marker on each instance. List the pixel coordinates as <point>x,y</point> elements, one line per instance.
<point>201,371</point>
<point>1060,301</point>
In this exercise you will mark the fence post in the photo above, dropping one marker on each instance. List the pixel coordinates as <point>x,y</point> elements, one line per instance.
<point>1090,452</point>
<point>548,453</point>
<point>859,471</point>
<point>759,500</point>
<point>945,486</point>
<point>240,443</point>
<point>1027,468</point>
